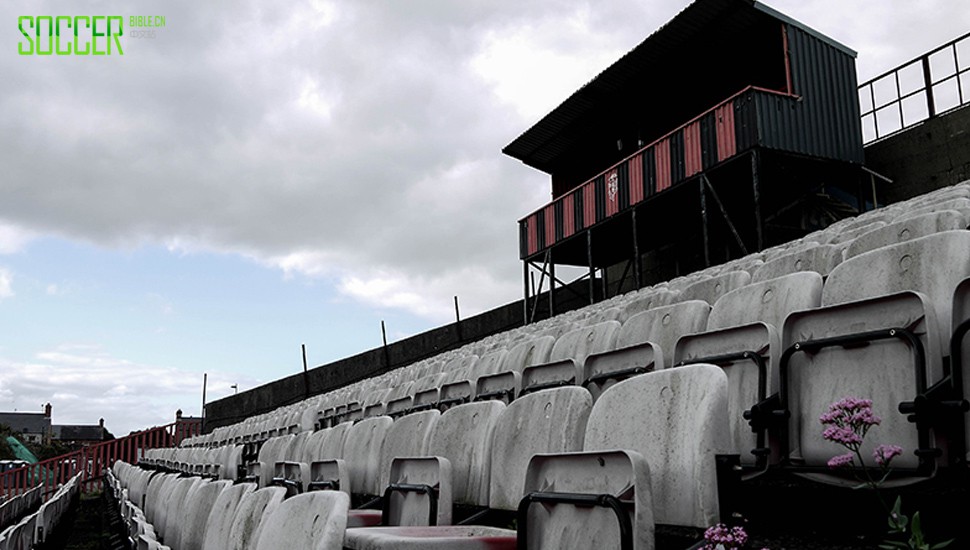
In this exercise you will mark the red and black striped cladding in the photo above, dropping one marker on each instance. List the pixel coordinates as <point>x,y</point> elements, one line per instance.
<point>677,172</point>
<point>712,138</point>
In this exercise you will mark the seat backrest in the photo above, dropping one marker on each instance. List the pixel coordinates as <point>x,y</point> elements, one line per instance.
<point>644,300</point>
<point>464,436</point>
<point>664,325</point>
<point>579,343</point>
<point>314,521</point>
<point>767,301</point>
<point>171,521</point>
<point>550,421</point>
<point>933,265</point>
<point>529,352</point>
<point>677,420</point>
<point>333,443</point>
<point>908,228</point>
<point>958,204</point>
<point>362,452</point>
<point>247,523</point>
<point>882,371</point>
<point>219,522</point>
<point>605,369</point>
<point>712,288</point>
<point>623,475</point>
<point>195,515</point>
<point>820,258</point>
<point>408,436</point>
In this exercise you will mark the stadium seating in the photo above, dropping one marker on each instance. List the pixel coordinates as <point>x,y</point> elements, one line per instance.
<point>735,359</point>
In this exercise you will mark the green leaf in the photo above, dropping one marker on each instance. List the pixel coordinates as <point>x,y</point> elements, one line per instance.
<point>942,544</point>
<point>917,530</point>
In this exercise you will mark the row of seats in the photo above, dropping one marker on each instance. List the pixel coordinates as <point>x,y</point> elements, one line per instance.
<point>34,529</point>
<point>417,386</point>
<point>583,461</point>
<point>171,511</point>
<point>13,509</point>
<point>875,306</point>
<point>747,332</point>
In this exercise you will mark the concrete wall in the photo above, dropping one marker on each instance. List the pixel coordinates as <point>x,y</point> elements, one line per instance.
<point>934,154</point>
<point>325,378</point>
<point>369,363</point>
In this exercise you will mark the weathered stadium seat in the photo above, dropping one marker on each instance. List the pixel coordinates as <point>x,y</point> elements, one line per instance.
<point>908,228</point>
<point>314,520</point>
<point>547,421</point>
<point>744,337</point>
<point>219,523</point>
<point>681,424</point>
<point>902,295</point>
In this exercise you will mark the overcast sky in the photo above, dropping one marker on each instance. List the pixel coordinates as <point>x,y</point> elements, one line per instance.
<point>254,177</point>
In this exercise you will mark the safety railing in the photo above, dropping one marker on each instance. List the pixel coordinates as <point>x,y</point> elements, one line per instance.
<point>92,461</point>
<point>933,83</point>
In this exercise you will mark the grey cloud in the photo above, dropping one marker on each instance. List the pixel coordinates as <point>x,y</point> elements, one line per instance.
<point>197,135</point>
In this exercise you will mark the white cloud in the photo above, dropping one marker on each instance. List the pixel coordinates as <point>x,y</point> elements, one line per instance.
<point>6,283</point>
<point>13,238</point>
<point>84,383</point>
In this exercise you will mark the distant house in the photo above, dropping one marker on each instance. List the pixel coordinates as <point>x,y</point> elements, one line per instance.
<point>79,434</point>
<point>35,427</point>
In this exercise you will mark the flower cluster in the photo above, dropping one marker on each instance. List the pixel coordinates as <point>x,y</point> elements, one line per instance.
<point>883,454</point>
<point>728,538</point>
<point>848,421</point>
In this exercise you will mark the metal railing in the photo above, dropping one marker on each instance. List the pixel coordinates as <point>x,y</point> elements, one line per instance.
<point>92,461</point>
<point>933,83</point>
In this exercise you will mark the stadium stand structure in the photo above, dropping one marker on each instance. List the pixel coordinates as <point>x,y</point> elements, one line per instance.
<point>638,420</point>
<point>604,438</point>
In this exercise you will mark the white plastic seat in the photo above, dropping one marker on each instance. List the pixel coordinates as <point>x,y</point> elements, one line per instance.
<point>551,421</point>
<point>219,523</point>
<point>362,454</point>
<point>680,425</point>
<point>565,364</point>
<point>710,289</point>
<point>821,259</point>
<point>314,521</point>
<point>194,520</point>
<point>506,383</point>
<point>568,493</point>
<point>644,300</point>
<point>248,521</point>
<point>663,326</point>
<point>905,286</point>
<point>744,338</point>
<point>908,228</point>
<point>605,369</point>
<point>462,389</point>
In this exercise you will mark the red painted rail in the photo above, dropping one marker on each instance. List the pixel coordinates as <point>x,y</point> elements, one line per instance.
<point>94,460</point>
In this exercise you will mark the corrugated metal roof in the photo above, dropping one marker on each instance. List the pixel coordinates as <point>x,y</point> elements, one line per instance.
<point>673,54</point>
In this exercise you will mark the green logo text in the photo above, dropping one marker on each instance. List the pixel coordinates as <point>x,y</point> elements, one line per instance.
<point>66,35</point>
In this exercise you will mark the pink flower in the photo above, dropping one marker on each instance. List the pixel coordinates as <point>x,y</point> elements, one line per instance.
<point>843,436</point>
<point>731,538</point>
<point>840,461</point>
<point>883,454</point>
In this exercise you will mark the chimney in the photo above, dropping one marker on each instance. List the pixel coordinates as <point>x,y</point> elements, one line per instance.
<point>101,423</point>
<point>47,410</point>
<point>178,414</point>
